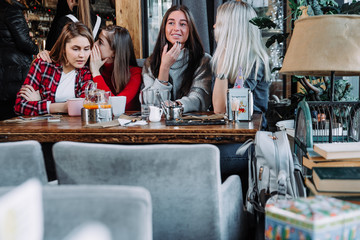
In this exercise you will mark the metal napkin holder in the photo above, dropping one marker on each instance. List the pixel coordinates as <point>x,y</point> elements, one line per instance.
<point>246,106</point>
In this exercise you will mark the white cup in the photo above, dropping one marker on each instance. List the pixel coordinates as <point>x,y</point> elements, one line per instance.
<point>155,114</point>
<point>118,104</point>
<point>74,106</point>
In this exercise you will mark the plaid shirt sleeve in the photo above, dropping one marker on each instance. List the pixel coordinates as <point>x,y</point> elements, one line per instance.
<point>34,78</point>
<point>83,77</point>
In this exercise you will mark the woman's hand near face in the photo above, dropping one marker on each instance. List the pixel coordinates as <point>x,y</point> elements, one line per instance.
<point>45,56</point>
<point>168,58</point>
<point>29,93</point>
<point>95,61</point>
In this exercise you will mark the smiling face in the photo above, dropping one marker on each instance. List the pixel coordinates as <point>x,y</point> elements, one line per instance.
<point>77,52</point>
<point>177,28</point>
<point>104,46</point>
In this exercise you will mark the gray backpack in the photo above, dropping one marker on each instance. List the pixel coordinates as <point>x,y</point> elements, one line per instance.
<point>271,170</point>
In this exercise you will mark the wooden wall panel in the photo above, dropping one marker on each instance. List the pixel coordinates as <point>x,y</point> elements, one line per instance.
<point>128,14</point>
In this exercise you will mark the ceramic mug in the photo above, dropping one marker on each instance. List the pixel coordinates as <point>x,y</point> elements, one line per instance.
<point>118,104</point>
<point>74,106</point>
<point>155,113</point>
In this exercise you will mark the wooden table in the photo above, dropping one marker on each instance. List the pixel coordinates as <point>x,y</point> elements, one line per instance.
<point>72,129</point>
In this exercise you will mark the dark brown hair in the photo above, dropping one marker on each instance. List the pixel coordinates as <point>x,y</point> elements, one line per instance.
<point>120,42</point>
<point>193,44</point>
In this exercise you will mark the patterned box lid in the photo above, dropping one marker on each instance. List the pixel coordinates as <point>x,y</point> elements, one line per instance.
<point>314,212</point>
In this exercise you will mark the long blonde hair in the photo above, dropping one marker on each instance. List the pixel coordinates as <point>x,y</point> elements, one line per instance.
<point>238,42</point>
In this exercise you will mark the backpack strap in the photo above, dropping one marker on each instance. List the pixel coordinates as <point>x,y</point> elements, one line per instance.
<point>97,26</point>
<point>72,17</point>
<point>242,149</point>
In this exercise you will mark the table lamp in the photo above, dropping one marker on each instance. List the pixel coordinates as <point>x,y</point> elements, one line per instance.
<point>324,46</point>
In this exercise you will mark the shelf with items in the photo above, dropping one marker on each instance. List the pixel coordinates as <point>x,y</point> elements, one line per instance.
<point>39,19</point>
<point>39,25</point>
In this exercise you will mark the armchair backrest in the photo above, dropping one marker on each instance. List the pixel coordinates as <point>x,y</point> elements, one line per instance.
<point>20,161</point>
<point>126,211</point>
<point>140,62</point>
<point>184,181</point>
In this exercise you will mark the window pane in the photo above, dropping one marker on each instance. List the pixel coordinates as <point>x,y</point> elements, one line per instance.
<point>156,10</point>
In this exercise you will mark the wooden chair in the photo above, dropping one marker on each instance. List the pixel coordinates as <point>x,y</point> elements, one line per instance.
<point>189,201</point>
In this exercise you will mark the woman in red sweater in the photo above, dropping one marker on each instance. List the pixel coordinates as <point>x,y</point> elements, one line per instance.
<point>113,65</point>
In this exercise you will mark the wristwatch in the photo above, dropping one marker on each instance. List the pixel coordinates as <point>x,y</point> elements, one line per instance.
<point>163,82</point>
<point>221,76</point>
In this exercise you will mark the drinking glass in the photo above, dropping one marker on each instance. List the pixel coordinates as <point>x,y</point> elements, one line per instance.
<point>146,99</point>
<point>152,97</point>
<point>235,104</point>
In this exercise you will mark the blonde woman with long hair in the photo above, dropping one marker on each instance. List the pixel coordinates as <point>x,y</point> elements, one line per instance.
<point>239,51</point>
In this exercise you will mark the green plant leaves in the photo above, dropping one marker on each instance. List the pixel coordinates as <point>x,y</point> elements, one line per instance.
<point>263,22</point>
<point>280,37</point>
<point>350,8</point>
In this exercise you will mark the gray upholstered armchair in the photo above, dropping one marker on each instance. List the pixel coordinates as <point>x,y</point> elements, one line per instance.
<point>125,211</point>
<point>189,200</point>
<point>20,161</point>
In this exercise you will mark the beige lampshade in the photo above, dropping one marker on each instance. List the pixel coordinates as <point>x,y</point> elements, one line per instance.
<point>321,44</point>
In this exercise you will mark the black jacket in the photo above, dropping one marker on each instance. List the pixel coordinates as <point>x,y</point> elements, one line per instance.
<point>58,24</point>
<point>62,9</point>
<point>16,49</point>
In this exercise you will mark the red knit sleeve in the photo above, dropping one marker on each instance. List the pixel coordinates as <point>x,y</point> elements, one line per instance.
<point>132,89</point>
<point>101,83</point>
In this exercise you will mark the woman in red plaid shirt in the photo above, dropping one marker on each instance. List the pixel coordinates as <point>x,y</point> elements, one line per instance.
<point>48,86</point>
<point>113,65</point>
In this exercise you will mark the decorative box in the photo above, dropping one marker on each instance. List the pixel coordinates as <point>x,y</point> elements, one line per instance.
<point>318,217</point>
<point>239,104</point>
